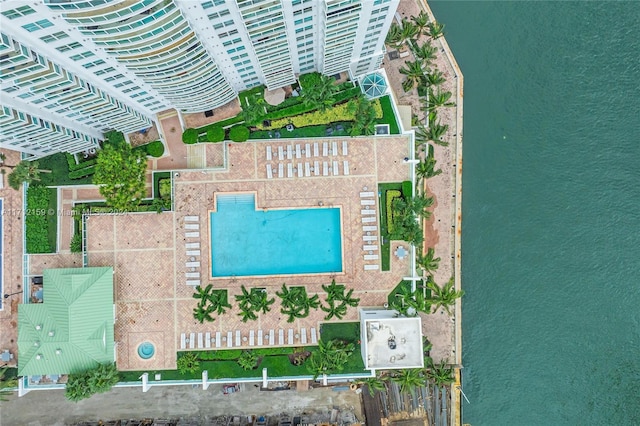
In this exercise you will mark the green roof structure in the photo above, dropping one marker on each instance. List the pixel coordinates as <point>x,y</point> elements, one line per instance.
<point>72,330</point>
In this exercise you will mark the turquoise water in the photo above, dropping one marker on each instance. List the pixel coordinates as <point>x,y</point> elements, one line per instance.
<point>274,242</point>
<point>551,237</point>
<point>146,350</point>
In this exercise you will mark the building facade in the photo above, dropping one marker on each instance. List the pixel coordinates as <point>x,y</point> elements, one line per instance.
<point>72,69</point>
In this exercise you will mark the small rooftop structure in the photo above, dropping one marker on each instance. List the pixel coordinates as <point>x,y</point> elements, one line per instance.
<point>72,330</point>
<point>389,341</point>
<point>275,96</point>
<point>374,85</point>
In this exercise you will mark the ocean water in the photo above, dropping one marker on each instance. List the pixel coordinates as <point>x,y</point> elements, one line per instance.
<point>551,228</point>
<point>246,241</point>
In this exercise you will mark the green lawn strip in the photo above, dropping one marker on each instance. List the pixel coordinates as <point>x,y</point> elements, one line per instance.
<point>392,296</point>
<point>224,123</point>
<point>385,249</point>
<point>349,331</point>
<point>36,220</point>
<point>59,175</point>
<point>388,115</point>
<point>156,179</point>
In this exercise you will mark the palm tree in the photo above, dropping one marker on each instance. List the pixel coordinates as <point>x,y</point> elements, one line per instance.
<point>409,379</point>
<point>408,30</point>
<point>261,301</point>
<point>444,297</point>
<point>421,21</point>
<point>25,171</point>
<point>394,36</point>
<point>436,30</point>
<point>440,374</point>
<point>426,53</point>
<point>333,310</point>
<point>426,168</point>
<point>6,384</point>
<point>296,303</point>
<point>404,301</point>
<point>254,111</point>
<point>428,262</point>
<point>320,94</point>
<point>434,78</point>
<point>203,293</point>
<point>219,302</point>
<point>415,75</point>
<point>374,384</point>
<point>437,100</point>
<point>418,205</point>
<point>248,360</point>
<point>334,291</point>
<point>203,313</point>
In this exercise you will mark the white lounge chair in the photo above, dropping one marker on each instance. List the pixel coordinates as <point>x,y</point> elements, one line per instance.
<point>307,170</point>
<point>289,152</point>
<point>299,169</point>
<point>368,228</point>
<point>367,202</point>
<point>218,339</point>
<point>192,274</point>
<point>290,170</point>
<point>335,168</point>
<point>193,282</point>
<point>369,212</point>
<point>280,153</point>
<point>252,338</point>
<point>314,338</point>
<point>191,246</point>
<point>193,252</point>
<point>281,337</point>
<point>325,149</point>
<point>316,151</point>
<point>192,234</point>
<point>368,220</point>
<point>192,218</point>
<point>269,172</point>
<point>183,341</point>
<point>370,267</point>
<point>268,152</point>
<point>366,194</point>
<point>200,341</point>
<point>325,169</point>
<point>345,151</point>
<point>192,340</point>
<point>238,338</point>
<point>260,340</point>
<point>207,340</point>
<point>370,257</point>
<point>272,338</point>
<point>192,264</point>
<point>334,148</point>
<point>298,151</point>
<point>290,337</point>
<point>307,150</point>
<point>370,248</point>
<point>229,339</point>
<point>280,170</point>
<point>345,166</point>
<point>303,336</point>
<point>370,238</point>
<point>192,226</point>
<point>316,168</point>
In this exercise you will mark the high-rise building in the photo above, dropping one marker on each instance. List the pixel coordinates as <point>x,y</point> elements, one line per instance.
<point>72,69</point>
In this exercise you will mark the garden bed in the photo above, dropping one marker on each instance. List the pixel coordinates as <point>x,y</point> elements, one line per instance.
<point>385,248</point>
<point>388,115</point>
<point>41,220</point>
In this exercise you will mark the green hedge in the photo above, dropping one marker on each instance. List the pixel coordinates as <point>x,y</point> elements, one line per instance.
<point>36,220</point>
<point>73,166</point>
<point>239,133</point>
<point>391,195</point>
<point>190,136</point>
<point>87,171</point>
<point>407,188</point>
<point>155,149</point>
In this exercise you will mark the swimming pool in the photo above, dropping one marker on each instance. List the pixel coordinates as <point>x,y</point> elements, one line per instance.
<point>247,242</point>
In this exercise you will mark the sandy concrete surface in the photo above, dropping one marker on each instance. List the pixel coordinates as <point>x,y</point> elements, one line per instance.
<point>49,408</point>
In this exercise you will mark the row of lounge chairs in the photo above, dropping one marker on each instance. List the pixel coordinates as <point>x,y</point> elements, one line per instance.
<point>369,229</point>
<point>192,249</point>
<point>307,169</point>
<point>235,339</point>
<point>307,151</point>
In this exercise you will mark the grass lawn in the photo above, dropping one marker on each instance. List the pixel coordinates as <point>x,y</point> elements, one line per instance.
<point>52,221</point>
<point>59,175</point>
<point>388,116</point>
<point>385,249</point>
<point>302,132</point>
<point>398,289</point>
<point>349,331</point>
<point>156,178</point>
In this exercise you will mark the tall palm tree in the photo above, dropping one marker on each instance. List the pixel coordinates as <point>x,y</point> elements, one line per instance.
<point>320,95</point>
<point>426,168</point>
<point>203,294</point>
<point>419,204</point>
<point>333,290</point>
<point>428,262</point>
<point>421,21</point>
<point>296,303</point>
<point>25,171</point>
<point>436,30</point>
<point>415,75</point>
<point>439,99</point>
<point>435,133</point>
<point>374,384</point>
<point>203,313</point>
<point>409,379</point>
<point>219,302</point>
<point>434,78</point>
<point>426,53</point>
<point>440,374</point>
<point>6,384</point>
<point>408,30</point>
<point>334,310</point>
<point>394,36</point>
<point>444,297</point>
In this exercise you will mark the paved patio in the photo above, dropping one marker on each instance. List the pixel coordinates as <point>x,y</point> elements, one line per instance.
<point>149,252</point>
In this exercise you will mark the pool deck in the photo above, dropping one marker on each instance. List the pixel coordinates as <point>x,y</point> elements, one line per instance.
<point>149,254</point>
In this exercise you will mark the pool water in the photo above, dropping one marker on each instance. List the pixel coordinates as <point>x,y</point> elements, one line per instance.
<point>146,350</point>
<point>274,242</point>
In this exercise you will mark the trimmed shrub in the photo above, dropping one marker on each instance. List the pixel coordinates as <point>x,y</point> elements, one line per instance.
<point>155,149</point>
<point>87,171</point>
<point>114,137</point>
<point>73,166</point>
<point>407,188</point>
<point>239,133</point>
<point>188,363</point>
<point>76,243</point>
<point>164,187</point>
<point>190,136</point>
<point>36,220</point>
<point>87,383</point>
<point>215,134</point>
<point>392,194</point>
